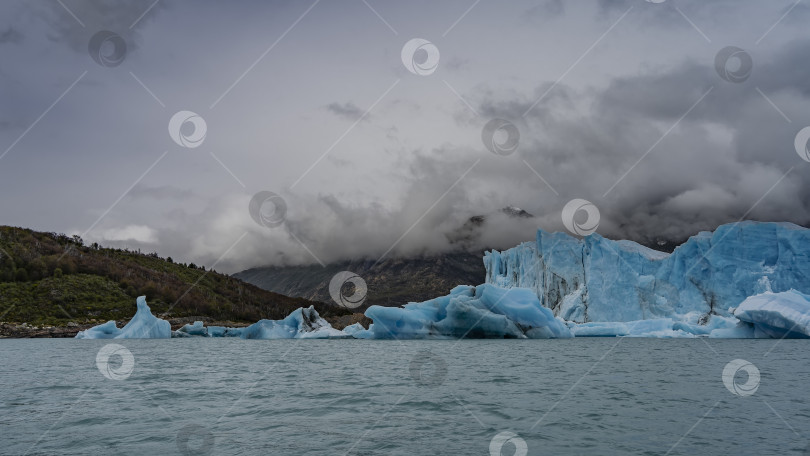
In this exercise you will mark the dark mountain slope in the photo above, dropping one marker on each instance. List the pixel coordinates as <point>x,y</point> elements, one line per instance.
<point>397,281</point>
<point>48,278</point>
<point>392,282</point>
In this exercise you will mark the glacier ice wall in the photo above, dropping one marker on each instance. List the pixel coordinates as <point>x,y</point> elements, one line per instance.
<point>598,280</point>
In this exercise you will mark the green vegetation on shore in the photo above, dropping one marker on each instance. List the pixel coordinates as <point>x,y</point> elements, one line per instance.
<point>49,278</point>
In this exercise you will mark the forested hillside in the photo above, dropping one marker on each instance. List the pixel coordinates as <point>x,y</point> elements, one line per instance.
<point>49,278</point>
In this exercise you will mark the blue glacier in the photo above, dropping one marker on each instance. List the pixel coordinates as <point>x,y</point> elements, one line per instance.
<point>598,280</point>
<point>603,288</point>
<point>744,280</point>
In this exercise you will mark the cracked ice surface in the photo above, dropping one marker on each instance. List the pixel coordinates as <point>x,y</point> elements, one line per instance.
<point>598,280</point>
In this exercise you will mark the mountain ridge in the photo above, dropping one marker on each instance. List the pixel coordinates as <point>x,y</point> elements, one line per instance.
<point>398,280</point>
<point>54,279</point>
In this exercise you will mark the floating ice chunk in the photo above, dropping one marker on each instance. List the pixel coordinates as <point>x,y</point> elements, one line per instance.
<point>642,328</point>
<point>300,324</point>
<point>740,331</point>
<point>485,311</point>
<point>354,329</point>
<point>103,331</point>
<point>143,325</point>
<point>468,318</point>
<point>716,326</point>
<point>658,328</point>
<point>324,333</point>
<point>197,329</point>
<point>777,315</point>
<point>358,332</point>
<point>599,329</point>
<point>521,306</point>
<point>222,331</point>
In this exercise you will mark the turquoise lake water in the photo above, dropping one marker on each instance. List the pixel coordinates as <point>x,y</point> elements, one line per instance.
<point>604,396</point>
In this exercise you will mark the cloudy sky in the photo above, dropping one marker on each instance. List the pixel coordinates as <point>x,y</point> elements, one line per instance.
<point>621,103</point>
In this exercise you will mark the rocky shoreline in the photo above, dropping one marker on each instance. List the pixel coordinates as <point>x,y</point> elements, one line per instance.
<point>26,331</point>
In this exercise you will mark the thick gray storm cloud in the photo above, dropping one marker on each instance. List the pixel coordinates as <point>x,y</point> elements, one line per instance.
<point>152,125</point>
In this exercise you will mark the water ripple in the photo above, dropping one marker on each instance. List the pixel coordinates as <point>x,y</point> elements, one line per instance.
<point>361,397</point>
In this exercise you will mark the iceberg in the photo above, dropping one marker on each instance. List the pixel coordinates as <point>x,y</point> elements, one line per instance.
<point>485,311</point>
<point>356,328</point>
<point>143,325</point>
<point>358,332</point>
<point>777,315</point>
<point>103,331</point>
<point>594,279</point>
<point>300,324</point>
<point>659,327</point>
<point>188,330</point>
<point>716,326</point>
